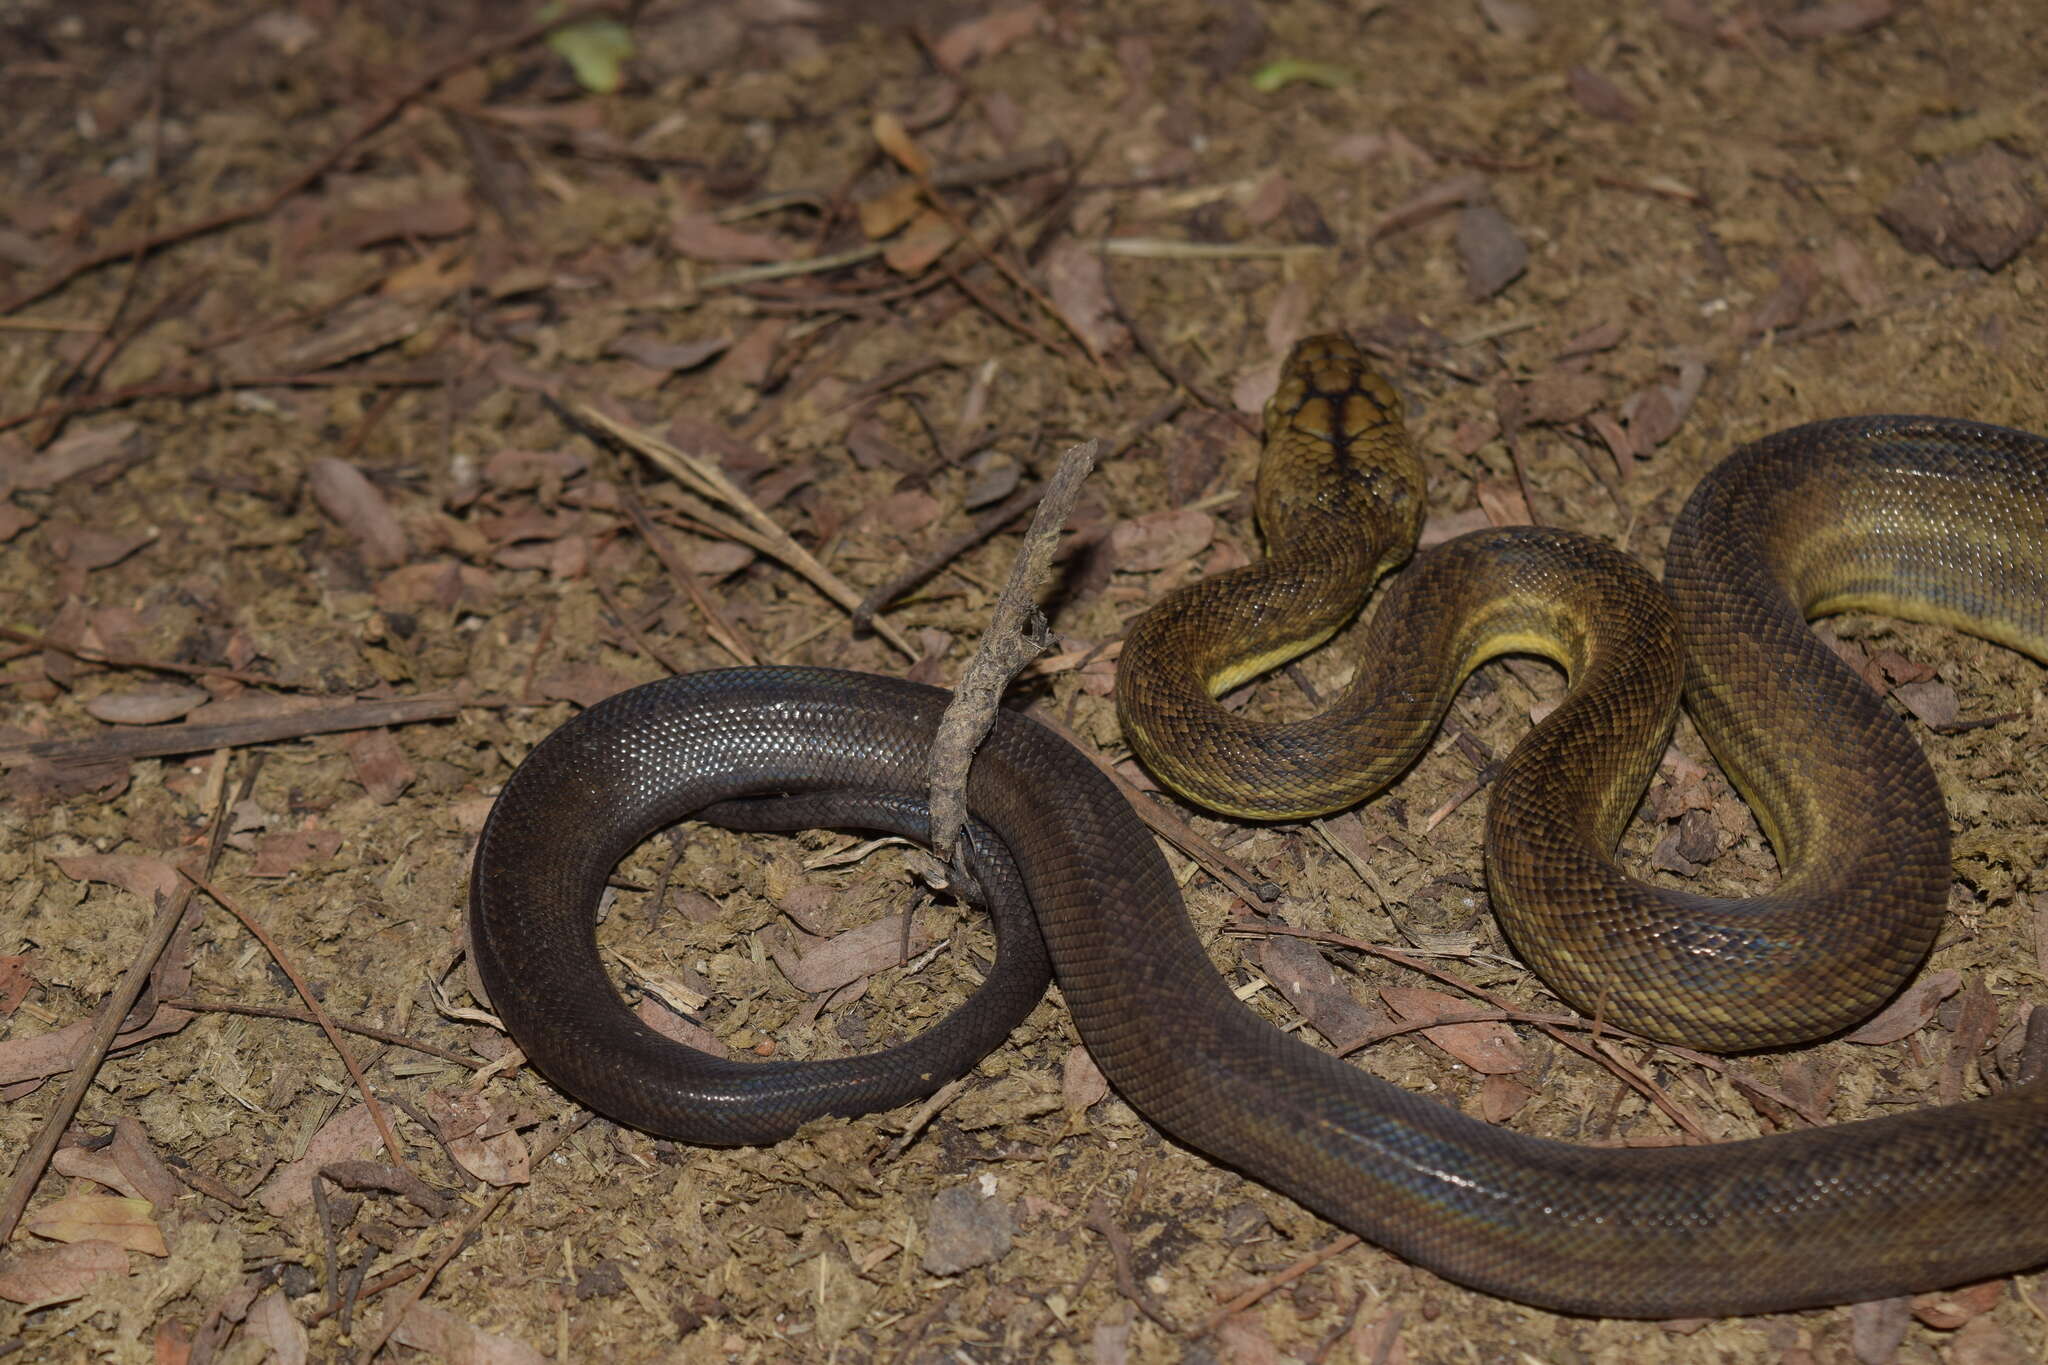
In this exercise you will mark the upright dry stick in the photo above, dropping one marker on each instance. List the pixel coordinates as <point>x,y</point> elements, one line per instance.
<point>1015,635</point>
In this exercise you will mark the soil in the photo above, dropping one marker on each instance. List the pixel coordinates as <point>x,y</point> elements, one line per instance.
<point>304,310</point>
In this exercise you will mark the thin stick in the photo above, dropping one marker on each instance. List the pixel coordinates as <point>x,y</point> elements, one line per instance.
<point>715,622</point>
<point>1014,636</point>
<point>1275,1281</point>
<point>284,964</point>
<point>107,660</point>
<point>197,388</point>
<point>112,1011</point>
<point>708,481</point>
<point>301,1016</point>
<point>159,741</point>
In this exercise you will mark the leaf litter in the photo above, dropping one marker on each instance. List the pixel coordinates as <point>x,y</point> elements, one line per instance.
<point>292,306</point>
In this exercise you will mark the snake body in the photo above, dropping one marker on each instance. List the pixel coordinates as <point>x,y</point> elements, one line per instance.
<point>1863,1210</point>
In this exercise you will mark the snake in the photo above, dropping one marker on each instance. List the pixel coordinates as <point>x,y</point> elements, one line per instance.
<point>1935,518</point>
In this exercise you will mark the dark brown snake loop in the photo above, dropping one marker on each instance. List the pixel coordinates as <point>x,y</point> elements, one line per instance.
<point>1915,516</point>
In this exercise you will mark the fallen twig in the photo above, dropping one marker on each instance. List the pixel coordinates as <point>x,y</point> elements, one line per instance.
<point>1014,636</point>
<point>159,741</point>
<point>284,965</point>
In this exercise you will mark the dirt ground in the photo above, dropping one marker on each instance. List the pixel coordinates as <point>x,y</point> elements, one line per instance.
<point>300,308</point>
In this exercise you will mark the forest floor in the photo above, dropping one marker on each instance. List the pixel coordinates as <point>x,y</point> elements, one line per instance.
<point>294,302</point>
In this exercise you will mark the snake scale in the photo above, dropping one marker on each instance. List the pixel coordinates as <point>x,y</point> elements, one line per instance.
<point>1920,517</point>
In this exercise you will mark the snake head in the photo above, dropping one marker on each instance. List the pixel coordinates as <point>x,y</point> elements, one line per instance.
<point>1337,446</point>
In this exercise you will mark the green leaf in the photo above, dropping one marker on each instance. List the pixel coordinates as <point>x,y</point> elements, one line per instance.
<point>1285,72</point>
<point>596,49</point>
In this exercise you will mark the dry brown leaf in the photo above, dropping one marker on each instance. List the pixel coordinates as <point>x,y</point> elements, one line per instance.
<point>1949,1309</point>
<point>39,1276</point>
<point>122,1220</point>
<point>146,703</point>
<point>91,450</point>
<point>1074,278</point>
<point>379,764</point>
<point>360,510</point>
<point>286,851</point>
<point>443,1336</point>
<point>895,140</point>
<point>1502,501</point>
<point>138,874</point>
<point>1488,1047</point>
<point>1161,540</point>
<point>86,547</point>
<point>674,1027</point>
<point>1599,96</point>
<point>1316,989</point>
<point>1081,1080</point>
<point>99,1167</point>
<point>917,246</point>
<point>1910,1012</point>
<point>446,215</point>
<point>499,1160</point>
<point>986,35</point>
<point>1490,251</point>
<point>1501,1098</point>
<point>701,237</point>
<point>1832,20</point>
<point>848,957</point>
<point>15,982</point>
<point>351,1133</point>
<point>48,1054</point>
<point>1933,703</point>
<point>270,1321</point>
<point>147,1174</point>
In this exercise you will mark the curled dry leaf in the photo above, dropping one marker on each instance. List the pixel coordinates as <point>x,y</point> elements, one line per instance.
<point>1949,1309</point>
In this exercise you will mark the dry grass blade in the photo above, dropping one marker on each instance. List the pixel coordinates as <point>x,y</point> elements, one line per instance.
<point>755,528</point>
